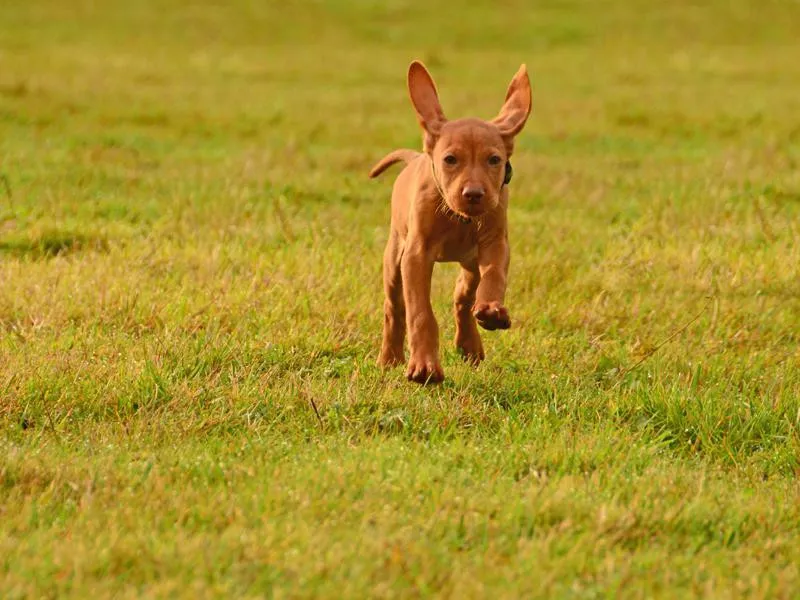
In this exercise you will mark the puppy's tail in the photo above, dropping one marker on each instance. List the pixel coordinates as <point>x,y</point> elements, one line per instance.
<point>392,158</point>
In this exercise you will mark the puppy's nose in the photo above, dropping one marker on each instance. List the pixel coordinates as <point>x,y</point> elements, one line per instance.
<point>473,195</point>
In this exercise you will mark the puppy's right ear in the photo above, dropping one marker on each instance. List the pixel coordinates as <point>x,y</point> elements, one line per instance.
<point>517,106</point>
<point>426,103</point>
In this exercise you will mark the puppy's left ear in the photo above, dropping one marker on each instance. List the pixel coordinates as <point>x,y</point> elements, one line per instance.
<point>517,106</point>
<point>425,99</point>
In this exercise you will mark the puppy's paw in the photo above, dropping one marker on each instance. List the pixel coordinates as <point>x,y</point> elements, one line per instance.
<point>491,315</point>
<point>390,358</point>
<point>470,348</point>
<point>424,370</point>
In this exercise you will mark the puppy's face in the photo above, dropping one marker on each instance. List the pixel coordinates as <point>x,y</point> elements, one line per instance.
<point>469,160</point>
<point>469,156</point>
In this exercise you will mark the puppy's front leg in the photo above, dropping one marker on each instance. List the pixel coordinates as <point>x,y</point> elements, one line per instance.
<point>493,260</point>
<point>423,332</point>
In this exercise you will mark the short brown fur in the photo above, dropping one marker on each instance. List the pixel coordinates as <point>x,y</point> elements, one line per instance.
<point>449,204</point>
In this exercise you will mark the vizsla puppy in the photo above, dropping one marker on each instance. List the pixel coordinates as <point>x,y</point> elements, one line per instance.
<point>449,205</point>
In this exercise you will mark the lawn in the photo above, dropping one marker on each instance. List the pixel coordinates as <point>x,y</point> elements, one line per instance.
<point>191,304</point>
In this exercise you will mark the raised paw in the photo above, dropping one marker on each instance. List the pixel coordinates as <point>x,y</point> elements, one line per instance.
<point>491,315</point>
<point>424,370</point>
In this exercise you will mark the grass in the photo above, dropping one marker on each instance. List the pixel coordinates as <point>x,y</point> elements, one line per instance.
<point>190,305</point>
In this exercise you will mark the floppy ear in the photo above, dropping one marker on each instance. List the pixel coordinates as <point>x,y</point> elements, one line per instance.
<point>426,102</point>
<point>517,106</point>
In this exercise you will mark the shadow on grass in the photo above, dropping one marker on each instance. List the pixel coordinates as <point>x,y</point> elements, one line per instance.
<point>53,243</point>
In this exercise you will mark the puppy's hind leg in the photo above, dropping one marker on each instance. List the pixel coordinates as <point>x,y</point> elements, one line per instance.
<point>468,340</point>
<point>394,308</point>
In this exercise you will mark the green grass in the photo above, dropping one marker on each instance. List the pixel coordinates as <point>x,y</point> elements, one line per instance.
<point>190,304</point>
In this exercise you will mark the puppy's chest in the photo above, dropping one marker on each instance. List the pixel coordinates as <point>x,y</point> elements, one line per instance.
<point>459,244</point>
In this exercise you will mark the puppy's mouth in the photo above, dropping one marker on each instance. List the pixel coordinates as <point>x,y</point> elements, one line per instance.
<point>473,211</point>
<point>457,213</point>
<point>469,211</point>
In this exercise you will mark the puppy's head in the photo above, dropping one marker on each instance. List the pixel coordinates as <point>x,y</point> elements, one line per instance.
<point>469,155</point>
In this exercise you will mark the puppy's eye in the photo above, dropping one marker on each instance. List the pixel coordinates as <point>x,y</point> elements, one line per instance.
<point>450,159</point>
<point>495,160</point>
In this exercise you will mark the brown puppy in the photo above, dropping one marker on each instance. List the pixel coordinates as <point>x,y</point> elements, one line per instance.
<point>449,205</point>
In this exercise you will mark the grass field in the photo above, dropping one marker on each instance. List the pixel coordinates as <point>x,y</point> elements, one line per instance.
<point>190,304</point>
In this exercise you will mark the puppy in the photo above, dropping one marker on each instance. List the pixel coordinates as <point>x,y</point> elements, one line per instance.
<point>449,204</point>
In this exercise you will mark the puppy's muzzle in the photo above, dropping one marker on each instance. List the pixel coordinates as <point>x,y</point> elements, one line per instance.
<point>473,195</point>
